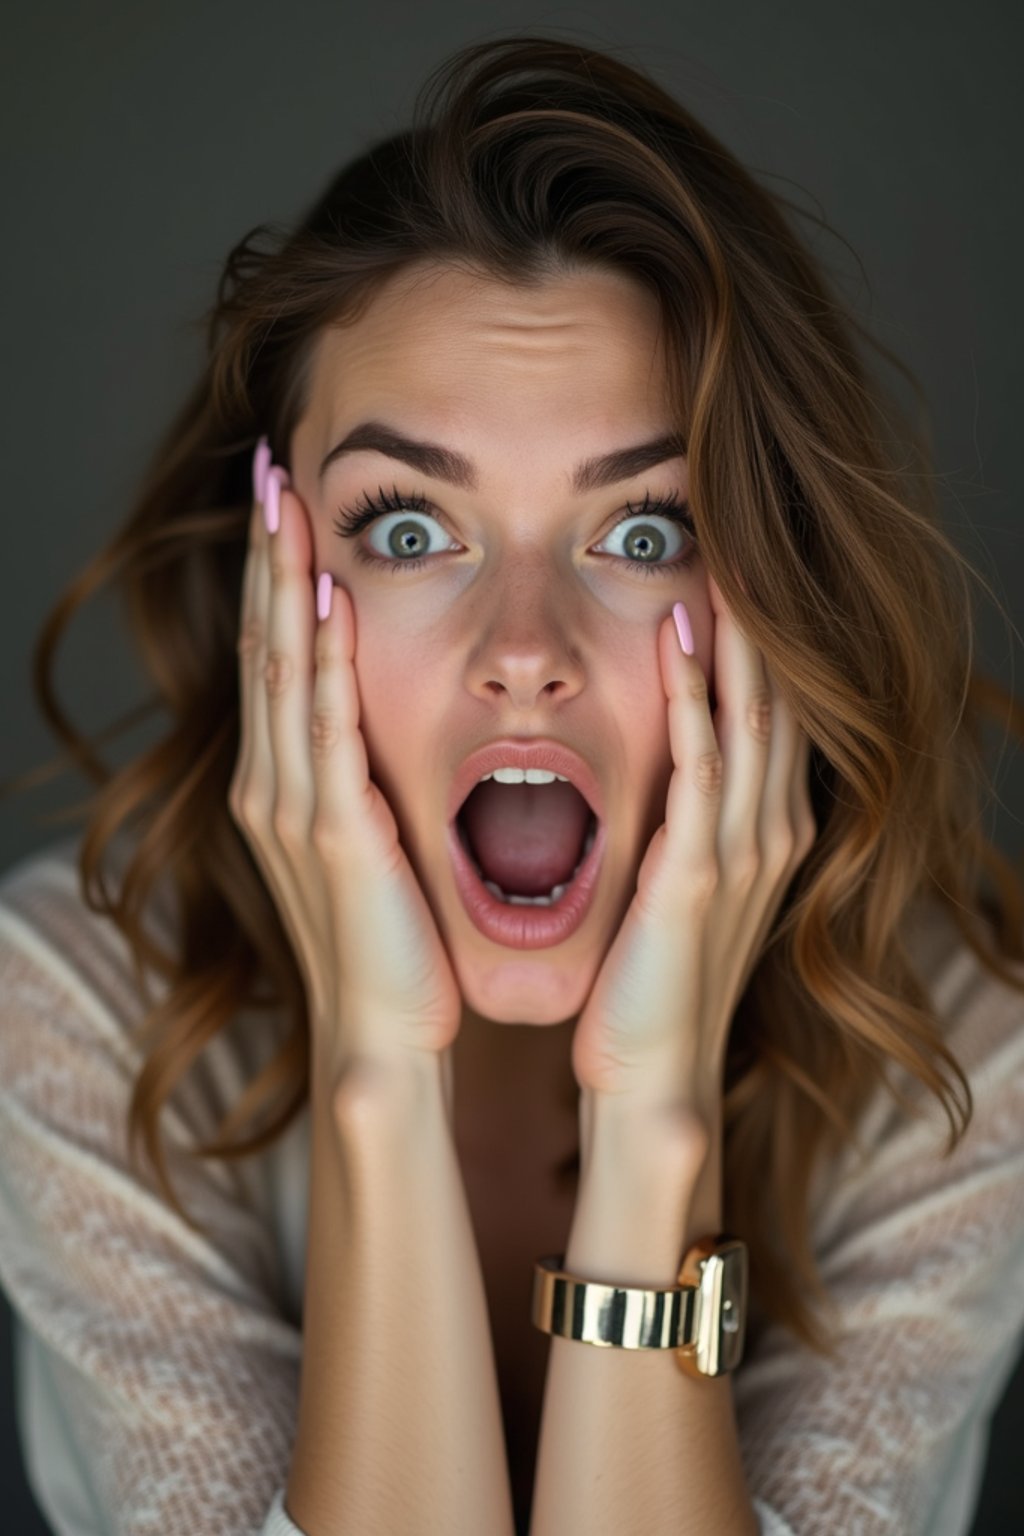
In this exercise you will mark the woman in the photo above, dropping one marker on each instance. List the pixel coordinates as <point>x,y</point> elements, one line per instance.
<point>572,511</point>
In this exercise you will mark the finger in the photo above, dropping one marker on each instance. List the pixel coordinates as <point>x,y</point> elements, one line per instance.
<point>250,624</point>
<point>255,769</point>
<point>297,899</point>
<point>783,817</point>
<point>248,643</point>
<point>289,665</point>
<point>744,725</point>
<point>695,788</point>
<point>801,807</point>
<point>261,760</point>
<point>341,767</point>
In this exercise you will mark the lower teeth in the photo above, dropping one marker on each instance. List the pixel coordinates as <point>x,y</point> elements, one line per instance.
<point>555,894</point>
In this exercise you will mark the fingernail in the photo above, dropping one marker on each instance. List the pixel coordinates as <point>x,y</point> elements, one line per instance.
<point>260,465</point>
<point>272,499</point>
<point>324,594</point>
<point>683,629</point>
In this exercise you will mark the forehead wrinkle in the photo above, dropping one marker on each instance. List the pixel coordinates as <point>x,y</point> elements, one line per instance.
<point>550,332</point>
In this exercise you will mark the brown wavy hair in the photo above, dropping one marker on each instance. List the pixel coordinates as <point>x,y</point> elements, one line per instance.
<point>530,158</point>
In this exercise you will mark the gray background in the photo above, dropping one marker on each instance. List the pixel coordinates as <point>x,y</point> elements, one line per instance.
<point>142,140</point>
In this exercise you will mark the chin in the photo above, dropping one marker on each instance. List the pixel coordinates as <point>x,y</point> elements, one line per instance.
<point>523,1002</point>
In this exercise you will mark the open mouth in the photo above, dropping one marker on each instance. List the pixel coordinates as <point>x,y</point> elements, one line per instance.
<point>528,877</point>
<point>525,841</point>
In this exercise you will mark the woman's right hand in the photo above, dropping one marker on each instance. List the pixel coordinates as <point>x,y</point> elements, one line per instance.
<point>378,980</point>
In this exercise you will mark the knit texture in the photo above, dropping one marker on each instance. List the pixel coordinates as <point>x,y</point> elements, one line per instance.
<point>157,1370</point>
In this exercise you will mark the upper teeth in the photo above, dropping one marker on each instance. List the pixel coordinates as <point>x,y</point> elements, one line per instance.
<point>523,776</point>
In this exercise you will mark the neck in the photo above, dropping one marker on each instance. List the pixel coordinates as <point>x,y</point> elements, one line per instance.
<point>512,1067</point>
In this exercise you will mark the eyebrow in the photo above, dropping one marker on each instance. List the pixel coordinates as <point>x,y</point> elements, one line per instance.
<point>445,464</point>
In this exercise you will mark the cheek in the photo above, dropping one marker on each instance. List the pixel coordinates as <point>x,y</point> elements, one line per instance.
<point>386,677</point>
<point>394,720</point>
<point>635,698</point>
<point>400,688</point>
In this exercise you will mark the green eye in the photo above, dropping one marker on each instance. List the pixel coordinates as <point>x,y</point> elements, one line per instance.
<point>352,520</point>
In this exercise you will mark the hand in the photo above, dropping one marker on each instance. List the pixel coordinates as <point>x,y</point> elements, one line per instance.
<point>739,823</point>
<point>377,976</point>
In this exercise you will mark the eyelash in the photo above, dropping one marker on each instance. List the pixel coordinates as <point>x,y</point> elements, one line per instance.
<point>352,520</point>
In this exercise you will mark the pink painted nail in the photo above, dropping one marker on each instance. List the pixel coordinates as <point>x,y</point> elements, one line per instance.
<point>324,593</point>
<point>260,465</point>
<point>272,498</point>
<point>683,629</point>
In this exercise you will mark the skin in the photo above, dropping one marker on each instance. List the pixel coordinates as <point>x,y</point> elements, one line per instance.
<point>515,625</point>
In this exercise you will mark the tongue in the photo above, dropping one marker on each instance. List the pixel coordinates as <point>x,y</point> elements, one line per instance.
<point>526,837</point>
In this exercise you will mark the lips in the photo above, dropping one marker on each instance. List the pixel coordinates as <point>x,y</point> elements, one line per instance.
<point>538,752</point>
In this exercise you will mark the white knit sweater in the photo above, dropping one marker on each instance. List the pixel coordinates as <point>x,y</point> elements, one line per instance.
<point>157,1371</point>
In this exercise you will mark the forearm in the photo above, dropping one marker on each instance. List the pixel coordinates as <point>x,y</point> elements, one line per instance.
<point>629,1444</point>
<point>400,1423</point>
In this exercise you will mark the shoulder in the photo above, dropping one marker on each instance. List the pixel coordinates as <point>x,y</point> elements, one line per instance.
<point>51,938</point>
<point>75,992</point>
<point>982,1015</point>
<point>901,1153</point>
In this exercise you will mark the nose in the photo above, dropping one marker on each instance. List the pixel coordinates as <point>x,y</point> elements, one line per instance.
<point>528,649</point>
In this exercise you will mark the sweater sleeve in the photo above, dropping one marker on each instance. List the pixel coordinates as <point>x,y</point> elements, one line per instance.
<point>923,1256</point>
<point>157,1377</point>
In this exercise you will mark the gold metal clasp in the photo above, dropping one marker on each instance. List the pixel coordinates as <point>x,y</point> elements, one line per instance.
<point>717,1269</point>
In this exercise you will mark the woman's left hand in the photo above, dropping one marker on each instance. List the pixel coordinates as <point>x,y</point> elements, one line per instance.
<point>739,823</point>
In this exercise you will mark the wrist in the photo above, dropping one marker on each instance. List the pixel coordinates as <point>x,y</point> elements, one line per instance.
<point>639,1171</point>
<point>650,1185</point>
<point>642,1137</point>
<point>372,1090</point>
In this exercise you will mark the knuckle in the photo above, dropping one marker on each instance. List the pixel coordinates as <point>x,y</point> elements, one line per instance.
<point>235,799</point>
<point>779,849</point>
<point>326,650</point>
<point>759,715</point>
<point>277,672</point>
<point>697,688</point>
<point>709,772</point>
<point>326,838</point>
<point>289,826</point>
<point>324,732</point>
<point>702,882</point>
<point>251,811</point>
<point>250,638</point>
<point>807,836</point>
<point>746,866</point>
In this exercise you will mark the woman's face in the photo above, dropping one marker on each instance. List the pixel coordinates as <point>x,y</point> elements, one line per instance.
<point>526,619</point>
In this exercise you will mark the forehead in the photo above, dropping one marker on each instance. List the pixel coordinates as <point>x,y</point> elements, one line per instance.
<point>453,345</point>
<point>431,294</point>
